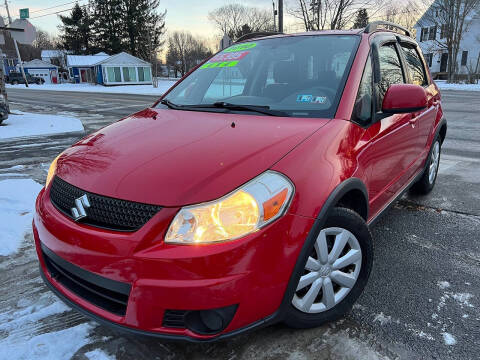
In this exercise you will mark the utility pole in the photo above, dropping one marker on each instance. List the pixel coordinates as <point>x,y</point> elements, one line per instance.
<point>280,16</point>
<point>16,47</point>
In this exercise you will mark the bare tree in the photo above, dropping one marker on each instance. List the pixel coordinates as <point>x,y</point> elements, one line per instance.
<point>185,51</point>
<point>231,18</point>
<point>452,18</point>
<point>404,13</point>
<point>329,14</point>
<point>43,40</point>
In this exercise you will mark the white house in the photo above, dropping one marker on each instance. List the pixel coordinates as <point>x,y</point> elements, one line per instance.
<point>43,69</point>
<point>430,33</point>
<point>119,69</point>
<point>124,69</point>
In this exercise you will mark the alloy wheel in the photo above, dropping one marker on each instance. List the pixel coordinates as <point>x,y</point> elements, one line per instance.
<point>434,162</point>
<point>331,271</point>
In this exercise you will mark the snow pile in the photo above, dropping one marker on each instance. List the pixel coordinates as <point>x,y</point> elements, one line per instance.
<point>29,124</point>
<point>61,344</point>
<point>98,355</point>
<point>163,85</point>
<point>17,203</point>
<point>442,85</point>
<point>449,339</point>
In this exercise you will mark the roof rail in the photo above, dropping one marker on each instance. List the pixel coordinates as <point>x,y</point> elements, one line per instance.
<point>371,27</point>
<point>255,35</point>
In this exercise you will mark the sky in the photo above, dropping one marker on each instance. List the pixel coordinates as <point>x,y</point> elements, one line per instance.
<point>181,14</point>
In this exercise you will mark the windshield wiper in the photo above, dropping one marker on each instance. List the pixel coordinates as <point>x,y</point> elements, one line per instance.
<point>256,108</point>
<point>224,105</point>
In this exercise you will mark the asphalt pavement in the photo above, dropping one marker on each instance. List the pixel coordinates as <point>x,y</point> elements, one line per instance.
<point>424,288</point>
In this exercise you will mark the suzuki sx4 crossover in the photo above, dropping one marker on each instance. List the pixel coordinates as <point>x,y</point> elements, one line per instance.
<point>244,196</point>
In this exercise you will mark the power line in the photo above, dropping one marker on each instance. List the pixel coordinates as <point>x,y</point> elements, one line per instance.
<point>56,12</point>
<point>56,6</point>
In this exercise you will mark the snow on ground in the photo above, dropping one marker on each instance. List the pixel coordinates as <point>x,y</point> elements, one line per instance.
<point>22,124</point>
<point>17,203</point>
<point>449,339</point>
<point>163,85</point>
<point>61,344</point>
<point>98,355</point>
<point>442,85</point>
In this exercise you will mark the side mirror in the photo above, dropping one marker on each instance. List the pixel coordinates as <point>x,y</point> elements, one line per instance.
<point>404,98</point>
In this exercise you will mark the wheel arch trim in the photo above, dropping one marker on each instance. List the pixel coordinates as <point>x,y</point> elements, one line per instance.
<point>339,191</point>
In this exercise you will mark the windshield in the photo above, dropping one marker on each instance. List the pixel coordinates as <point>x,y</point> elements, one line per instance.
<point>299,76</point>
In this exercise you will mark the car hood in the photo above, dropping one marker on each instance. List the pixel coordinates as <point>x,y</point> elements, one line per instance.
<point>175,158</point>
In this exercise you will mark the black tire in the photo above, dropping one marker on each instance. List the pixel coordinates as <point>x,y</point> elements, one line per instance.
<point>351,221</point>
<point>423,186</point>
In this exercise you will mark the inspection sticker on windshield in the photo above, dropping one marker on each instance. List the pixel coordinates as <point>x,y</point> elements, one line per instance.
<point>240,47</point>
<point>304,98</point>
<point>319,99</point>
<point>311,99</point>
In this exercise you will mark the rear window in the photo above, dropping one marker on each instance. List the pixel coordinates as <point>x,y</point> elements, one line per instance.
<point>300,75</point>
<point>415,66</point>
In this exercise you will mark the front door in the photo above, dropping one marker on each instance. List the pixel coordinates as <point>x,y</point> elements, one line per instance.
<point>393,148</point>
<point>83,75</point>
<point>443,62</point>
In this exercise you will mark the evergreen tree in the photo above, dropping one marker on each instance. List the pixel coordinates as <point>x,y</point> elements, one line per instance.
<point>143,27</point>
<point>108,25</point>
<point>361,20</point>
<point>75,30</point>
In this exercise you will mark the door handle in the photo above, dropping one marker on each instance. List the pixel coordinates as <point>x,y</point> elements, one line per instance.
<point>413,121</point>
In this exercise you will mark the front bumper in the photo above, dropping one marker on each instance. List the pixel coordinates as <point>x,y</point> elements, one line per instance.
<point>251,273</point>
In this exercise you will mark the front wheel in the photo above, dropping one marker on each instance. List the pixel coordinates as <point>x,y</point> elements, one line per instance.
<point>335,272</point>
<point>429,177</point>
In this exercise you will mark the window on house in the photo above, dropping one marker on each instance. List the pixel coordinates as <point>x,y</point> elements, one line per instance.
<point>147,73</point>
<point>428,59</point>
<point>424,34</point>
<point>114,74</point>
<point>11,62</point>
<point>390,71</point>
<point>464,58</point>
<point>132,73</point>
<point>126,74</point>
<point>141,74</point>
<point>443,31</point>
<point>415,66</point>
<point>432,35</point>
<point>362,111</point>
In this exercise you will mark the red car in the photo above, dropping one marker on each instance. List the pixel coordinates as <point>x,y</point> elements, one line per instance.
<point>244,196</point>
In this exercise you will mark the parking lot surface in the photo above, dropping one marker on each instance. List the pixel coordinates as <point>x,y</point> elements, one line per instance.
<point>422,300</point>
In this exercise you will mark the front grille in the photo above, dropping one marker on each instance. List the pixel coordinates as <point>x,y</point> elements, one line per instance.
<point>174,318</point>
<point>104,293</point>
<point>105,212</point>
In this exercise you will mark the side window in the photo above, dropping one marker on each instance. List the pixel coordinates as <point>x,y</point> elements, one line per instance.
<point>390,71</point>
<point>415,66</point>
<point>362,111</point>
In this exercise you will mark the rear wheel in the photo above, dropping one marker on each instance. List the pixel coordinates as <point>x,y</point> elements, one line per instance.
<point>427,181</point>
<point>335,273</point>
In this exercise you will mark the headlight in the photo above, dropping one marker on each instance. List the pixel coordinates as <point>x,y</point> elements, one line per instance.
<point>52,170</point>
<point>245,210</point>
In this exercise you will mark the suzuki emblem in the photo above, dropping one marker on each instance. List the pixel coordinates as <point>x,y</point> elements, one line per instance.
<point>78,211</point>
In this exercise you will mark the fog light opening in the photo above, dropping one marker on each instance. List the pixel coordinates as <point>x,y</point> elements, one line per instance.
<point>211,321</point>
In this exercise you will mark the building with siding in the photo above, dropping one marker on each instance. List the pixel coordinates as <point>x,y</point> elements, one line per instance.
<point>119,69</point>
<point>42,69</point>
<point>431,38</point>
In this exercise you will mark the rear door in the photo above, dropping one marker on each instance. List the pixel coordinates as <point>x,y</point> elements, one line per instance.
<point>424,120</point>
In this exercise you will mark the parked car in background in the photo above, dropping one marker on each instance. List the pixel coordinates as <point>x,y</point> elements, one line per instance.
<point>244,196</point>
<point>15,78</point>
<point>3,109</point>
